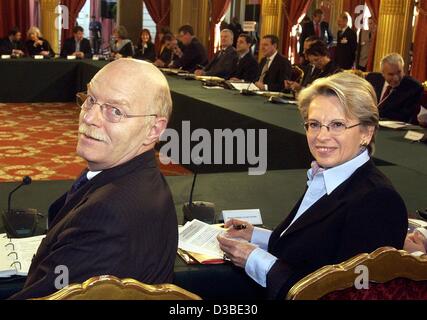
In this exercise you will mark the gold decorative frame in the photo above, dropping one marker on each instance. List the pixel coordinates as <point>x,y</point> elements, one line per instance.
<point>112,288</point>
<point>384,264</point>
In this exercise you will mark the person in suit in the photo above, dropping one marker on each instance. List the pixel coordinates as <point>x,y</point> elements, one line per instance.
<point>398,95</point>
<point>36,45</point>
<point>349,206</point>
<point>121,46</point>
<point>309,69</point>
<point>317,28</point>
<point>119,217</point>
<point>274,68</point>
<point>364,45</point>
<point>77,45</point>
<point>13,44</point>
<point>145,49</point>
<point>345,54</point>
<point>246,68</point>
<point>193,54</point>
<point>223,62</point>
<point>166,52</point>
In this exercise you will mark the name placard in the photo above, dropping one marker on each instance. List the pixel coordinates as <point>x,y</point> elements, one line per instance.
<point>5,56</point>
<point>414,136</point>
<point>71,57</point>
<point>38,57</point>
<point>252,216</point>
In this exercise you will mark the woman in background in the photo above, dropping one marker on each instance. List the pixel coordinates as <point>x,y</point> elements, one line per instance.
<point>121,46</point>
<point>145,49</point>
<point>36,45</point>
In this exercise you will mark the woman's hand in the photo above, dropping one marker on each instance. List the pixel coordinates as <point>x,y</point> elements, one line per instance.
<point>237,251</point>
<point>415,242</point>
<point>234,232</point>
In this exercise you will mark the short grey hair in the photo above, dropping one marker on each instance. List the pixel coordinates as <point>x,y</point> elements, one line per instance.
<point>121,31</point>
<point>229,31</point>
<point>356,95</point>
<point>34,30</point>
<point>393,59</point>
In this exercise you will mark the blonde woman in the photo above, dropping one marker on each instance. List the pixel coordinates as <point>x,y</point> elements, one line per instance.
<point>36,45</point>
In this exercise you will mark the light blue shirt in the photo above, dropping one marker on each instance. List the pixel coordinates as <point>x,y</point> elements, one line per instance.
<point>320,182</point>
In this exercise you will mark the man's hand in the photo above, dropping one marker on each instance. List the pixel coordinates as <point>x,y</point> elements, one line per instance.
<point>79,54</point>
<point>236,79</point>
<point>260,85</point>
<point>237,251</point>
<point>45,53</point>
<point>415,242</point>
<point>199,72</point>
<point>17,52</point>
<point>293,85</point>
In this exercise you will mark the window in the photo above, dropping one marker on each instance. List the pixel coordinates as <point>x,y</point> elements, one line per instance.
<point>147,22</point>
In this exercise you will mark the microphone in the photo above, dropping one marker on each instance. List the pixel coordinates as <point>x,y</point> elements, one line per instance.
<point>20,223</point>
<point>25,181</point>
<point>247,92</point>
<point>200,210</point>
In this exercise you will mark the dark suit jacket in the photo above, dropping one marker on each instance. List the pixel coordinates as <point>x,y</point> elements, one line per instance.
<point>222,64</point>
<point>279,71</point>
<point>308,31</point>
<point>69,47</point>
<point>246,69</point>
<point>345,53</point>
<point>403,102</point>
<point>6,46</point>
<point>194,54</point>
<point>148,53</point>
<point>122,223</point>
<point>126,51</point>
<point>32,51</point>
<point>362,214</point>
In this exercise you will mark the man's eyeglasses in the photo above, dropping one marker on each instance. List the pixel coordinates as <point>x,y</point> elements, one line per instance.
<point>335,127</point>
<point>109,112</point>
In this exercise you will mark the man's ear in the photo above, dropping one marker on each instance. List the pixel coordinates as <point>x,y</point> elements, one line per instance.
<point>156,130</point>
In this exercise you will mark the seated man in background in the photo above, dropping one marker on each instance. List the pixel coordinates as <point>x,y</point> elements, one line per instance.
<point>275,68</point>
<point>398,95</point>
<point>77,45</point>
<point>193,54</point>
<point>246,68</point>
<point>119,217</point>
<point>223,62</point>
<point>13,44</point>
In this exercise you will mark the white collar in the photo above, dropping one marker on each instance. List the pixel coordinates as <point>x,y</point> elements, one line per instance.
<point>92,174</point>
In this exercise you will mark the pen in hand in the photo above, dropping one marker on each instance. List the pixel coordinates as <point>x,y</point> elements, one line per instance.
<point>239,226</point>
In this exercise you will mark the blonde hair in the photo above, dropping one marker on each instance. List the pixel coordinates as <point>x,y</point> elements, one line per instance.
<point>356,95</point>
<point>34,30</point>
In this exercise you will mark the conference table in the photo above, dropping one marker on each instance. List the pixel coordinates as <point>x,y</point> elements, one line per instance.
<point>228,186</point>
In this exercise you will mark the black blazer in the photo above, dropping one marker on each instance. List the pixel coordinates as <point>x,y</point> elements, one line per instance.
<point>166,56</point>
<point>308,31</point>
<point>279,71</point>
<point>222,64</point>
<point>403,102</point>
<point>35,50</point>
<point>122,223</point>
<point>148,53</point>
<point>361,215</point>
<point>69,47</point>
<point>6,46</point>
<point>246,69</point>
<point>126,51</point>
<point>345,53</point>
<point>193,55</point>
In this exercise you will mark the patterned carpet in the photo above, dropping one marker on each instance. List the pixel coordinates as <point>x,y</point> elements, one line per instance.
<point>39,140</point>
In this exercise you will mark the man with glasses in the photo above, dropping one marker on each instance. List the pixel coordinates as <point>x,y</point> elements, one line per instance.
<point>118,218</point>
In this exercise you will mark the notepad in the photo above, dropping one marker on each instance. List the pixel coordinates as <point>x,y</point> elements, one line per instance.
<point>16,255</point>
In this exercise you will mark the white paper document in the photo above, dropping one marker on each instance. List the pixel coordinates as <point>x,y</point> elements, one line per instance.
<point>197,236</point>
<point>244,86</point>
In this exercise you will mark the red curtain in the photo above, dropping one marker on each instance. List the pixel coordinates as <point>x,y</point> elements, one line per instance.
<point>292,10</point>
<point>419,66</point>
<point>218,10</point>
<point>374,7</point>
<point>160,13</point>
<point>14,13</point>
<point>74,7</point>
